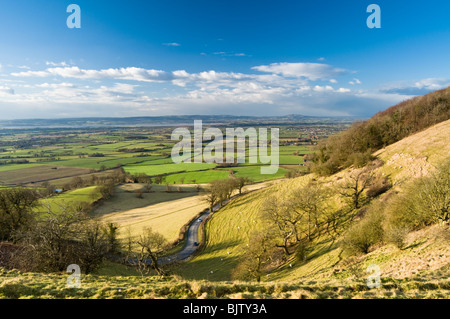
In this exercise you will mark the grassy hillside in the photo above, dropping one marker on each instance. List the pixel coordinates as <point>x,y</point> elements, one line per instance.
<point>426,249</point>
<point>15,285</point>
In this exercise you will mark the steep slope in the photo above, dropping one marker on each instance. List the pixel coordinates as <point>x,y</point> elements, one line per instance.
<point>416,155</point>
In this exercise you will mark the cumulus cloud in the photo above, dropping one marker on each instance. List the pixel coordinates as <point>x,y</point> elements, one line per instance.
<point>311,71</point>
<point>130,73</point>
<point>172,44</point>
<point>278,88</point>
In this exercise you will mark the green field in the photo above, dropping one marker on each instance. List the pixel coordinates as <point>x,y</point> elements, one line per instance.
<point>58,202</point>
<point>197,177</point>
<point>164,169</point>
<point>136,150</point>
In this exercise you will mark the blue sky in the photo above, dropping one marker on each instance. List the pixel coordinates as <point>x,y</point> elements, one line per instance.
<point>243,57</point>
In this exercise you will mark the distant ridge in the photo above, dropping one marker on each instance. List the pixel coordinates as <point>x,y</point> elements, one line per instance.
<point>167,120</point>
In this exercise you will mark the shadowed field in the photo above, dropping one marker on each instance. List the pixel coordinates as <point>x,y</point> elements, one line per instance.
<point>39,174</point>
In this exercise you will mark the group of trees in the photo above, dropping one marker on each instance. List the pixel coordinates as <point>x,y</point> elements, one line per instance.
<point>297,218</point>
<point>113,177</point>
<point>221,190</point>
<point>294,221</point>
<point>290,224</point>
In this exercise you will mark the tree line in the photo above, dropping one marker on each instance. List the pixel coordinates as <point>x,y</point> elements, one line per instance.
<point>219,191</point>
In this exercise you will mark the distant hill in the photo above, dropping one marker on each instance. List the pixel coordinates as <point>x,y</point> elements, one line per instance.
<point>169,121</point>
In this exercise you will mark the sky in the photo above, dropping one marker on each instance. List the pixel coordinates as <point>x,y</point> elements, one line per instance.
<point>228,57</point>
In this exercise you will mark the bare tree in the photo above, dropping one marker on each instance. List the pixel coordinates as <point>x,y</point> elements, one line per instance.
<point>278,215</point>
<point>148,187</point>
<point>240,182</point>
<point>93,244</point>
<point>212,196</point>
<point>139,193</point>
<point>106,190</point>
<point>62,238</point>
<point>354,186</point>
<point>151,244</point>
<point>309,203</point>
<point>218,192</point>
<point>299,217</point>
<point>258,254</point>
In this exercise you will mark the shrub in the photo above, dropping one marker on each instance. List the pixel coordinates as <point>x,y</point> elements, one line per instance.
<point>396,235</point>
<point>365,233</point>
<point>380,185</point>
<point>107,190</point>
<point>424,202</point>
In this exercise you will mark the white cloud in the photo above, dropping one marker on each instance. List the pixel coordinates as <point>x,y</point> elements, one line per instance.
<point>63,63</point>
<point>319,88</point>
<point>172,44</point>
<point>131,73</point>
<point>230,54</point>
<point>54,85</point>
<point>355,81</point>
<point>291,87</point>
<point>31,74</point>
<point>311,71</point>
<point>432,84</point>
